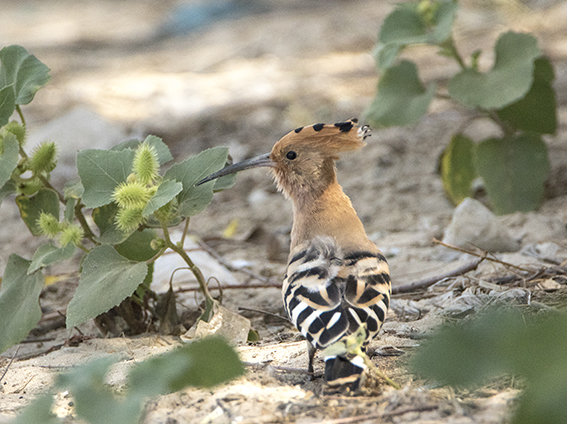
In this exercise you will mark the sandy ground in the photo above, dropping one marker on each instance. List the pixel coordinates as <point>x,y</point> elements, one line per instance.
<point>243,83</point>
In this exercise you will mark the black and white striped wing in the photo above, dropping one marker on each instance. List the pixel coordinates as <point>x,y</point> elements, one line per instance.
<point>328,295</point>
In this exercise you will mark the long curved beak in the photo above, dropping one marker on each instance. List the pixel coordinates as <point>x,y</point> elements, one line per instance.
<point>255,162</point>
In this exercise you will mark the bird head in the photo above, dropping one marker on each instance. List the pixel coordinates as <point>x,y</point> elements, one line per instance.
<point>303,160</point>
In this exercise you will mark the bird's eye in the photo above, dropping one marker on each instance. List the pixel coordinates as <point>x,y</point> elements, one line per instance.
<point>291,155</point>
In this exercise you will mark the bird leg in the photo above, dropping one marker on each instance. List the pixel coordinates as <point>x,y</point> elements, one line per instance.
<point>311,352</point>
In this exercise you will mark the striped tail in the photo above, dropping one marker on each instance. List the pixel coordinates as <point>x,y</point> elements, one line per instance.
<point>341,370</point>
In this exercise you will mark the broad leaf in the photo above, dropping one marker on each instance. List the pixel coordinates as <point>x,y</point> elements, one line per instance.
<point>193,200</point>
<point>202,363</point>
<point>457,168</point>
<point>508,81</point>
<point>9,157</point>
<point>401,99</point>
<point>164,155</point>
<point>505,341</point>
<point>45,200</point>
<point>70,209</point>
<point>104,217</point>
<point>537,110</point>
<point>410,23</point>
<point>7,104</point>
<point>106,280</point>
<point>165,192</point>
<point>48,254</point>
<point>95,401</point>
<point>73,190</point>
<point>19,301</point>
<point>101,171</point>
<point>514,170</point>
<point>137,246</point>
<point>9,188</point>
<point>38,412</point>
<point>23,72</point>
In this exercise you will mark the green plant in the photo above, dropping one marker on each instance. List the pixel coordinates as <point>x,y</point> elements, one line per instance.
<point>204,363</point>
<point>122,190</point>
<point>505,342</point>
<point>516,94</point>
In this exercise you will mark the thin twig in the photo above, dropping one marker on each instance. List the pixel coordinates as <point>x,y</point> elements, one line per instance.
<point>10,363</point>
<point>242,308</point>
<point>358,418</point>
<point>234,287</point>
<point>423,284</point>
<point>278,367</point>
<point>480,255</point>
<point>229,266</point>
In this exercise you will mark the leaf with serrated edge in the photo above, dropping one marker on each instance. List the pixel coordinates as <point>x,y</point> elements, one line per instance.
<point>19,301</point>
<point>106,280</point>
<point>48,254</point>
<point>164,155</point>
<point>509,80</point>
<point>23,71</point>
<point>165,192</point>
<point>193,200</point>
<point>9,159</point>
<point>101,171</point>
<point>45,200</point>
<point>7,104</point>
<point>401,99</point>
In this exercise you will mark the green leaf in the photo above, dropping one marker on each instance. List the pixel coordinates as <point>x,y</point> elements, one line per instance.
<point>401,99</point>
<point>101,171</point>
<point>537,110</point>
<point>45,200</point>
<point>406,25</point>
<point>165,192</point>
<point>193,200</point>
<point>48,254</point>
<point>9,188</point>
<point>226,182</point>
<point>514,170</point>
<point>409,24</point>
<point>7,104</point>
<point>164,155</point>
<point>23,71</point>
<point>73,190</point>
<point>202,363</point>
<point>95,401</point>
<point>9,157</point>
<point>457,168</point>
<point>509,79</point>
<point>137,246</point>
<point>38,412</point>
<point>70,209</point>
<point>19,301</point>
<point>104,217</point>
<point>106,280</point>
<point>504,341</point>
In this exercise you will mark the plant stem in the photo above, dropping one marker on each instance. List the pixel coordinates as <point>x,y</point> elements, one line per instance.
<point>185,231</point>
<point>84,224</point>
<point>449,46</point>
<point>194,269</point>
<point>19,110</point>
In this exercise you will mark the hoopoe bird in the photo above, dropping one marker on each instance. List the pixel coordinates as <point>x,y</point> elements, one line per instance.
<point>337,280</point>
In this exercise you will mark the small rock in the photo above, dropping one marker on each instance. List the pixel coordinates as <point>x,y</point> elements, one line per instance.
<point>473,224</point>
<point>226,323</point>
